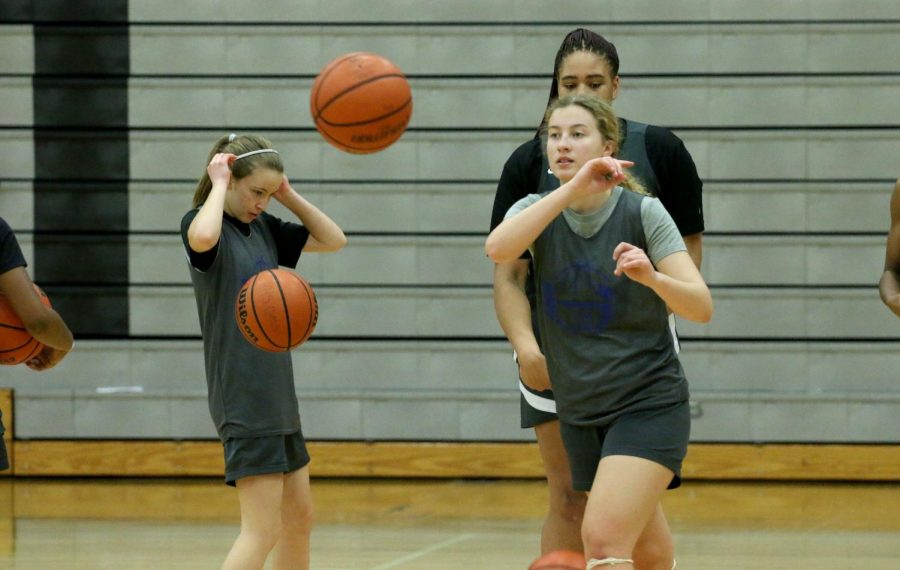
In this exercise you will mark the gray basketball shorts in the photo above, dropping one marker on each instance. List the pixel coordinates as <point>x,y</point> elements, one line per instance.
<point>248,456</point>
<point>658,434</point>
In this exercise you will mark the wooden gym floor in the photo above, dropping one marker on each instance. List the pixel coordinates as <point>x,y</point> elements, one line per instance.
<point>74,524</point>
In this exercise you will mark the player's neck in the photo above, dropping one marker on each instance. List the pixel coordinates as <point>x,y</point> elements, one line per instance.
<point>590,203</point>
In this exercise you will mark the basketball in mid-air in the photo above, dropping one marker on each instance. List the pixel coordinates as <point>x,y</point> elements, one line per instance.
<point>16,343</point>
<point>559,560</point>
<point>276,310</point>
<point>361,102</point>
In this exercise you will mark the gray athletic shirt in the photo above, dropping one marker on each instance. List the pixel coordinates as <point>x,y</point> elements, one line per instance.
<point>251,392</point>
<point>607,341</point>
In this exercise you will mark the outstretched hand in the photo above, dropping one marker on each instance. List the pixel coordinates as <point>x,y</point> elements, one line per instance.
<point>600,174</point>
<point>634,263</point>
<point>219,168</point>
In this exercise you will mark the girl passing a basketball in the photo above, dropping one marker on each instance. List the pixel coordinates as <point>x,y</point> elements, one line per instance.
<point>586,62</point>
<point>228,237</point>
<point>607,263</point>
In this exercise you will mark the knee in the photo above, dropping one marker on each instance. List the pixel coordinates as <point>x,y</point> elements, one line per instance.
<point>266,534</point>
<point>600,544</point>
<point>298,518</point>
<point>565,500</point>
<point>569,504</point>
<point>656,556</point>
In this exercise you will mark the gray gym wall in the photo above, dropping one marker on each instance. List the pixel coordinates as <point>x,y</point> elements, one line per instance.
<point>789,109</point>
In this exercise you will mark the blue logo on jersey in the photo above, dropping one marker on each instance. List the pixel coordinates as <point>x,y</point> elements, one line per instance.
<point>260,264</point>
<point>579,299</point>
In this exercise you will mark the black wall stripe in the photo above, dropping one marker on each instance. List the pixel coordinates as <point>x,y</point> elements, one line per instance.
<point>81,173</point>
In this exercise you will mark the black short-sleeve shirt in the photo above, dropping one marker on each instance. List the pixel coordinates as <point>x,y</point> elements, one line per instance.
<point>10,252</point>
<point>290,238</point>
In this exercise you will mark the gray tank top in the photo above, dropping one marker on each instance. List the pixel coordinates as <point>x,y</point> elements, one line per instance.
<point>251,392</point>
<point>634,148</point>
<point>607,340</point>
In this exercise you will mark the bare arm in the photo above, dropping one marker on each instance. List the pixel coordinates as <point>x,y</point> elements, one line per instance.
<point>889,286</point>
<point>694,243</point>
<point>41,321</point>
<point>514,314</point>
<point>677,281</point>
<point>206,227</point>
<point>516,234</point>
<point>324,235</point>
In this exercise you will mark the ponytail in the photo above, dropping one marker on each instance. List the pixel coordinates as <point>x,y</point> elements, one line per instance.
<point>238,144</point>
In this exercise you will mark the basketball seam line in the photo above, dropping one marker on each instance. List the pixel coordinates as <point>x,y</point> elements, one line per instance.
<point>287,313</point>
<point>328,71</point>
<point>366,122</point>
<point>357,86</point>
<point>256,317</point>
<point>313,303</point>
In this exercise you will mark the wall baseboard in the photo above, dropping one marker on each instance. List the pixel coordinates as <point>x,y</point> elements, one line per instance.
<point>712,461</point>
<point>435,460</point>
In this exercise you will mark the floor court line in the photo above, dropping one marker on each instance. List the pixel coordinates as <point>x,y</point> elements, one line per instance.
<point>424,552</point>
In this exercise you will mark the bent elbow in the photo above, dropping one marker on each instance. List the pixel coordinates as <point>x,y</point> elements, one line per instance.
<point>494,250</point>
<point>338,243</point>
<point>201,243</point>
<point>706,314</point>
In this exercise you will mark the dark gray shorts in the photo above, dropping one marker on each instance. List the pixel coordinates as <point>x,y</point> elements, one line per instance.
<point>660,435</point>
<point>531,416</point>
<point>247,456</point>
<point>530,413</point>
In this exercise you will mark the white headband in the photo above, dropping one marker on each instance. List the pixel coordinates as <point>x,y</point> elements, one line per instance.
<point>252,152</point>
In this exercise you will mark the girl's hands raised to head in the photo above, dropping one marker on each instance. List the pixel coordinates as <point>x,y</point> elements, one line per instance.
<point>219,168</point>
<point>599,175</point>
<point>634,263</point>
<point>284,189</point>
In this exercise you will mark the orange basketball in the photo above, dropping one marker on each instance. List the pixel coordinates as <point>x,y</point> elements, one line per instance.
<point>560,560</point>
<point>16,344</point>
<point>276,310</point>
<point>361,102</point>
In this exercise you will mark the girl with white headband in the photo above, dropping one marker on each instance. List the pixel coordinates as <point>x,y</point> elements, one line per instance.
<point>228,237</point>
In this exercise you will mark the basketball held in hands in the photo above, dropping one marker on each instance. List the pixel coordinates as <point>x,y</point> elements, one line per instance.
<point>16,343</point>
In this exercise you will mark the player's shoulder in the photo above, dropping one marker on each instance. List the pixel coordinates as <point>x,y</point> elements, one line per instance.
<point>269,220</point>
<point>188,217</point>
<point>662,144</point>
<point>662,136</point>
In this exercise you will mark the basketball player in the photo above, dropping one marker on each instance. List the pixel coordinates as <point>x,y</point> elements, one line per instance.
<point>42,322</point>
<point>228,237</point>
<point>889,287</point>
<point>585,63</point>
<point>607,262</point>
